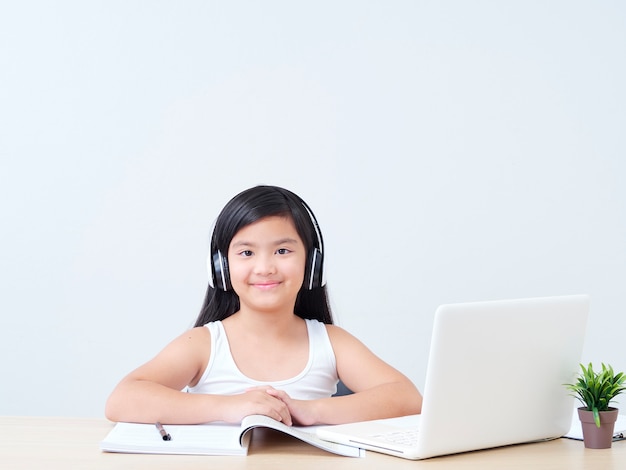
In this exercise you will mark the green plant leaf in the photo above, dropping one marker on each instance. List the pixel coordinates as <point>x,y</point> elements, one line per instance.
<point>596,416</point>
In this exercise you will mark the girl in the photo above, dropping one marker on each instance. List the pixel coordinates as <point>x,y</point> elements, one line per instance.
<point>264,342</point>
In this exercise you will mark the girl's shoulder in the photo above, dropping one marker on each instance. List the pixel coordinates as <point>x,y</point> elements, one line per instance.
<point>335,329</point>
<point>197,337</point>
<point>338,334</point>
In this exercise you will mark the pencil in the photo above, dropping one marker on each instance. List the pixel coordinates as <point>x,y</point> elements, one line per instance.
<point>163,432</point>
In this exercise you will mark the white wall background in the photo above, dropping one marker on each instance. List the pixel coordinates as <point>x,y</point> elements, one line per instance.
<point>452,151</point>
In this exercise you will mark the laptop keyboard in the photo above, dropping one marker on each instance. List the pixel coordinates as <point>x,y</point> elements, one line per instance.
<point>405,437</point>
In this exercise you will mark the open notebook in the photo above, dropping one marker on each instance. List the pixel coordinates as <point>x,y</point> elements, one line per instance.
<point>495,377</point>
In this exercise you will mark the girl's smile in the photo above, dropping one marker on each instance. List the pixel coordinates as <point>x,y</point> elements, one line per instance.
<point>265,285</point>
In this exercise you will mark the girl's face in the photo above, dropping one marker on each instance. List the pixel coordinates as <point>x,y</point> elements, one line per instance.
<point>266,261</point>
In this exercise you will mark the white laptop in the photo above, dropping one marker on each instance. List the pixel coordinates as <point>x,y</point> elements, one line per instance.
<point>495,377</point>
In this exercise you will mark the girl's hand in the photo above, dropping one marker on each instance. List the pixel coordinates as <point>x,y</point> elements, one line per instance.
<point>301,411</point>
<point>255,401</point>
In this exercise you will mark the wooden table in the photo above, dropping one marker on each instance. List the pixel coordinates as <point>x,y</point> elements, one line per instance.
<point>67,443</point>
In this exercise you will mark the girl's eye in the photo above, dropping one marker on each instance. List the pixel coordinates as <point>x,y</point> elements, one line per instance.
<point>282,251</point>
<point>246,253</point>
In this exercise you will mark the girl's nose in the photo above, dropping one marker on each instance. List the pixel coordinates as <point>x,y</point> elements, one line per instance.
<point>265,264</point>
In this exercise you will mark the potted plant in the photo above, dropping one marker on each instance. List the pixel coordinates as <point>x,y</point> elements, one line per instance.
<point>595,390</point>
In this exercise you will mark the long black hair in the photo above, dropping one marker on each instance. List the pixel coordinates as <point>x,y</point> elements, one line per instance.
<point>244,209</point>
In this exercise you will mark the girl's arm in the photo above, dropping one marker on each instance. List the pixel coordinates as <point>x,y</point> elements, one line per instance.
<point>380,391</point>
<point>153,393</point>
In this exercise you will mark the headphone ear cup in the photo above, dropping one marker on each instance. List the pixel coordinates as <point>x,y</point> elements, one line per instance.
<point>219,277</point>
<point>314,275</point>
<point>209,268</point>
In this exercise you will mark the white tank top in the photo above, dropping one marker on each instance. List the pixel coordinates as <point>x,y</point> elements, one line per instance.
<point>318,379</point>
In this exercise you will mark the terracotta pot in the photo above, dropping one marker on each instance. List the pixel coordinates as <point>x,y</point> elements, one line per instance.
<point>598,437</point>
